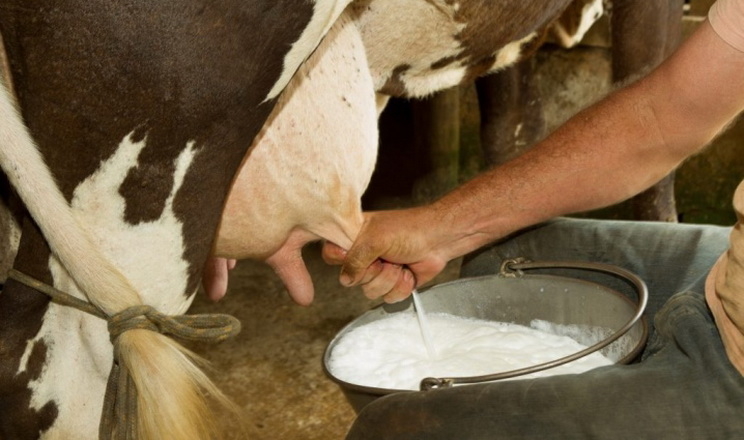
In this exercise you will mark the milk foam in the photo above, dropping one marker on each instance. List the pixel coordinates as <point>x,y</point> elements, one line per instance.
<point>390,353</point>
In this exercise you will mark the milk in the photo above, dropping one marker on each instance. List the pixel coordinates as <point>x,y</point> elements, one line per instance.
<point>390,353</point>
<point>423,323</point>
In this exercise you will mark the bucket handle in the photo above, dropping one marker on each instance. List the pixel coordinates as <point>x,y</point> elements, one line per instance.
<point>514,268</point>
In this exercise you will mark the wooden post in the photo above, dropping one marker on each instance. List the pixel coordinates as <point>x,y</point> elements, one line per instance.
<point>511,112</point>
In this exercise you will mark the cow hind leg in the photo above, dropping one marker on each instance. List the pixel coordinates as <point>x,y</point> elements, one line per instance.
<point>171,402</point>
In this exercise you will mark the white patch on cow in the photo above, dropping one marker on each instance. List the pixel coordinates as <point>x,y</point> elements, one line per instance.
<point>418,85</point>
<point>150,255</point>
<point>510,53</point>
<point>23,363</point>
<point>325,13</point>
<point>312,161</point>
<point>414,34</point>
<point>591,11</point>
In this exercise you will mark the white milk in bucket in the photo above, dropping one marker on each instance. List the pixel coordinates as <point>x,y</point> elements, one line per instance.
<point>390,353</point>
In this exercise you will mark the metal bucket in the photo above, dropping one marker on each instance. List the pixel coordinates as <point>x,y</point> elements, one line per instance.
<point>515,297</point>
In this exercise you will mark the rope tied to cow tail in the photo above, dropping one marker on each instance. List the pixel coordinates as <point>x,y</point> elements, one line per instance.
<point>207,327</point>
<point>119,420</point>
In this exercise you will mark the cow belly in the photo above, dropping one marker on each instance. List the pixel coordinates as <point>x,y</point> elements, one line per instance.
<point>304,176</point>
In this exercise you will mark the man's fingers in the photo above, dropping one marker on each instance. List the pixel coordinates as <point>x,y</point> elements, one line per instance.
<point>358,259</point>
<point>381,280</point>
<point>373,272</point>
<point>394,283</point>
<point>403,288</point>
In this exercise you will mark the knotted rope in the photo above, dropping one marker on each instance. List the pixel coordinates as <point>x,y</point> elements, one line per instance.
<point>119,417</point>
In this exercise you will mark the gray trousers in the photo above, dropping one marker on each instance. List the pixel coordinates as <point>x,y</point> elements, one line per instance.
<point>684,387</point>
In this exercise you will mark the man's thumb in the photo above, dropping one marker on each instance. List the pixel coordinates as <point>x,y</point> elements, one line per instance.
<point>358,259</point>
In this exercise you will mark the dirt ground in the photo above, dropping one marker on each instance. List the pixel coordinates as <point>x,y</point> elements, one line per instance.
<point>273,369</point>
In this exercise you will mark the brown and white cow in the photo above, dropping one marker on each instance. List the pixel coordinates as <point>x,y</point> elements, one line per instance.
<point>140,118</point>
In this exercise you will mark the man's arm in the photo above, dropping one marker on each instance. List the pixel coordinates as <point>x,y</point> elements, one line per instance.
<point>605,154</point>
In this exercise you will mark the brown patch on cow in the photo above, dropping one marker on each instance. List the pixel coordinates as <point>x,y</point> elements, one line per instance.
<point>489,27</point>
<point>395,86</point>
<point>531,47</point>
<point>21,313</point>
<point>147,186</point>
<point>480,67</point>
<point>444,62</point>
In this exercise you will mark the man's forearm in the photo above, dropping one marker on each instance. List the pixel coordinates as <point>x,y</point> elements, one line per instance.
<point>592,161</point>
<point>608,152</point>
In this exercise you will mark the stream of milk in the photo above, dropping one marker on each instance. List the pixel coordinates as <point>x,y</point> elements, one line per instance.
<point>390,353</point>
<point>424,325</point>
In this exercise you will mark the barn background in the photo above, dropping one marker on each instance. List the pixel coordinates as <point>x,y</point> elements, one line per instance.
<point>273,371</point>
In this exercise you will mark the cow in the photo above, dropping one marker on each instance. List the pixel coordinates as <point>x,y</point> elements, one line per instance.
<point>147,137</point>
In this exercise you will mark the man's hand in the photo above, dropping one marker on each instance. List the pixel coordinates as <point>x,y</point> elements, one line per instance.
<point>389,280</point>
<point>392,254</point>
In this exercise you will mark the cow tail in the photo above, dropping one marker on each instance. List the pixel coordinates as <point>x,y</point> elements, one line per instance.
<point>172,389</point>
